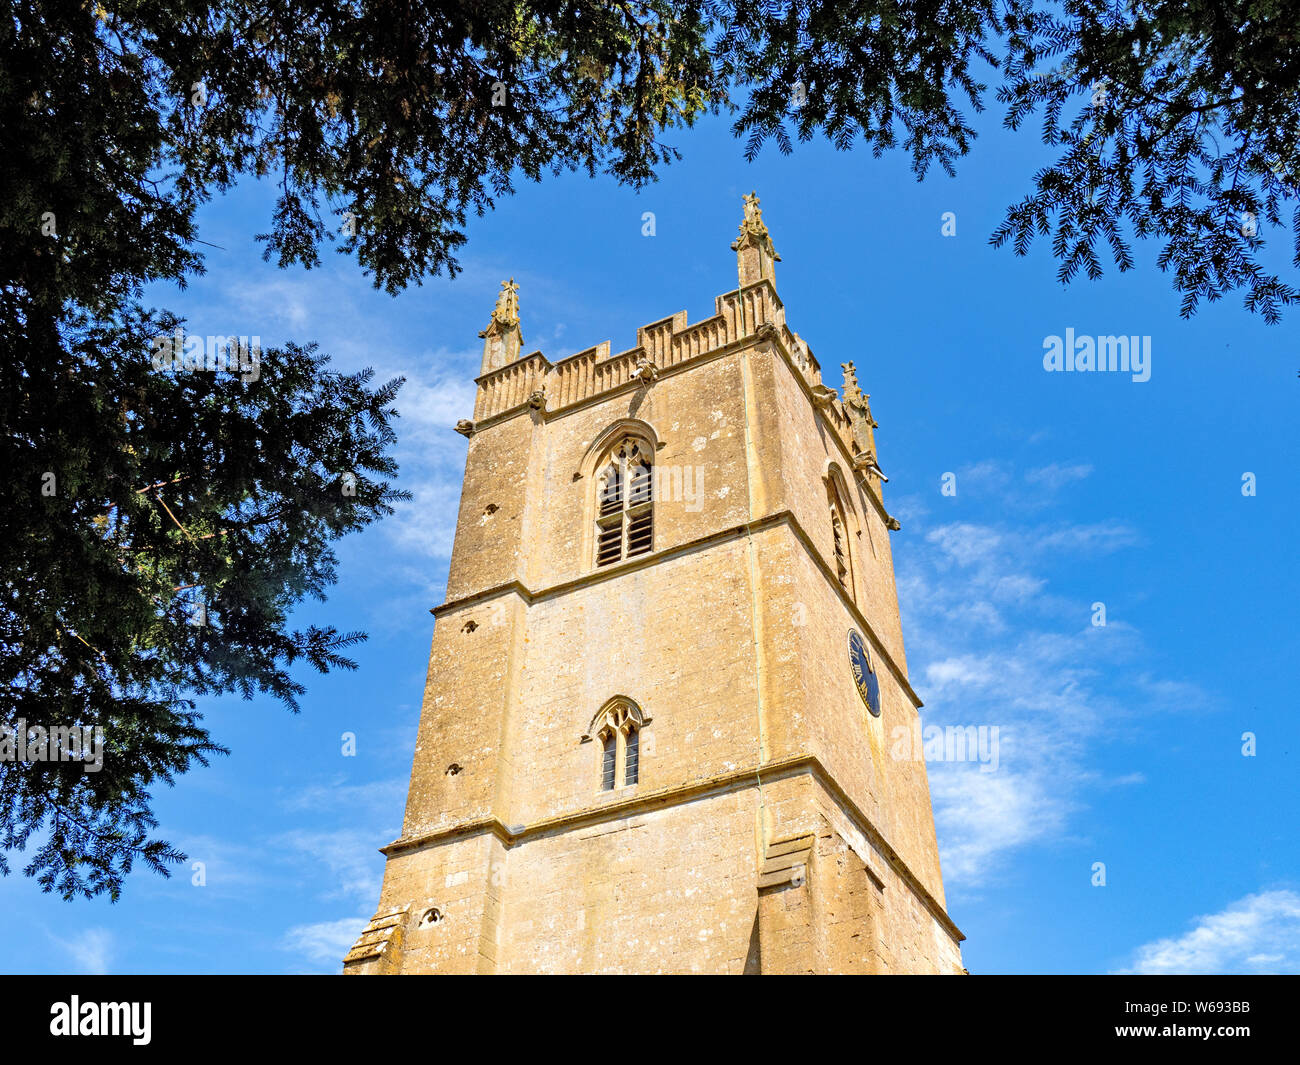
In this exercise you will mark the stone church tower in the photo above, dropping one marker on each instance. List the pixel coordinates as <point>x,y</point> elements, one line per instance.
<point>668,677</point>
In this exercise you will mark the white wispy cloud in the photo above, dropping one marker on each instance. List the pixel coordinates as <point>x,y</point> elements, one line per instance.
<point>91,950</point>
<point>990,643</point>
<point>324,943</point>
<point>332,863</point>
<point>341,863</point>
<point>989,814</point>
<point>228,867</point>
<point>375,798</point>
<point>987,475</point>
<point>1055,475</point>
<point>438,392</point>
<point>1043,701</point>
<point>1035,489</point>
<point>1257,934</point>
<point>1096,538</point>
<point>965,542</point>
<point>285,305</point>
<point>424,527</point>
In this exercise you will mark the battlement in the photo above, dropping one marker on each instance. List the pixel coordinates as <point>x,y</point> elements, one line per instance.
<point>535,381</point>
<point>511,385</point>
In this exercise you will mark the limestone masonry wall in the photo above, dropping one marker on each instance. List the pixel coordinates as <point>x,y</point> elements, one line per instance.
<point>771,828</point>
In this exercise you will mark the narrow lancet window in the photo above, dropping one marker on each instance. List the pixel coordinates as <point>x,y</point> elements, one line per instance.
<point>609,761</point>
<point>633,757</point>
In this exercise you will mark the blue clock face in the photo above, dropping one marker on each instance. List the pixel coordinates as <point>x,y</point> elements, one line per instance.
<point>864,674</point>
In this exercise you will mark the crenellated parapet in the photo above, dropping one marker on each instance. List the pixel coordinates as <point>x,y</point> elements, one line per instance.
<point>749,315</point>
<point>666,343</point>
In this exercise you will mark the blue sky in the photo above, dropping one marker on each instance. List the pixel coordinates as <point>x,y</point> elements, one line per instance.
<point>1119,744</point>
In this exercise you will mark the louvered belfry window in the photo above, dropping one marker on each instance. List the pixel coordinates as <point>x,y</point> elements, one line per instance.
<point>840,544</point>
<point>837,528</point>
<point>625,504</point>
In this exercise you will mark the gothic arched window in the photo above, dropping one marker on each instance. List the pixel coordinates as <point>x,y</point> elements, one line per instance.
<point>617,728</point>
<point>624,502</point>
<point>839,537</point>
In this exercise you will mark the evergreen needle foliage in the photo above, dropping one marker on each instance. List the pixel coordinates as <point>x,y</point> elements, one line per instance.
<point>383,127</point>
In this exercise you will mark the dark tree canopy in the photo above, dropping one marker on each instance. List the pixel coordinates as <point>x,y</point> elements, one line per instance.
<point>136,494</point>
<point>1174,120</point>
<point>1188,135</point>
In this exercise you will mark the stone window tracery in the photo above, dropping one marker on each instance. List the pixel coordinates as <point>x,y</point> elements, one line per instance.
<point>617,730</point>
<point>625,502</point>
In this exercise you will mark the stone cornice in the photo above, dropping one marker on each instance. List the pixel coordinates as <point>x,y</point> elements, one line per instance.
<point>780,517</point>
<point>676,795</point>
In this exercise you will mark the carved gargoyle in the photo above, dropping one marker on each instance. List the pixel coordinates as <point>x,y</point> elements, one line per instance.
<point>646,371</point>
<point>465,427</point>
<point>824,396</point>
<point>537,400</point>
<point>865,462</point>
